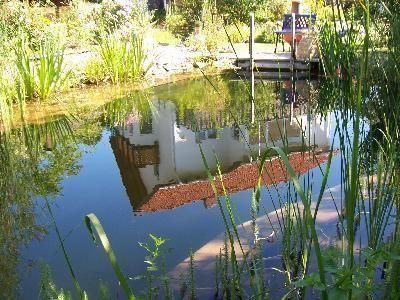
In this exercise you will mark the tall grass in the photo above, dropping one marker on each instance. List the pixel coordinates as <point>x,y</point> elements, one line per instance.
<point>124,58</point>
<point>43,73</point>
<point>25,66</point>
<point>50,68</point>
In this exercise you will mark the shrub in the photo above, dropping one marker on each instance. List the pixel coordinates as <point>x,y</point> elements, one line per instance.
<point>165,37</point>
<point>238,33</point>
<point>178,25</point>
<point>79,24</point>
<point>265,33</point>
<point>95,71</point>
<point>19,17</point>
<point>238,10</point>
<point>272,11</point>
<point>215,35</point>
<point>121,16</point>
<point>190,10</point>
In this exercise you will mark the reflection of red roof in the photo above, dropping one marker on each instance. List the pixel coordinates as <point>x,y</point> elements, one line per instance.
<point>242,178</point>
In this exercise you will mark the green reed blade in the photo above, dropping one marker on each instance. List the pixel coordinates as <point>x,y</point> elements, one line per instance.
<point>91,219</point>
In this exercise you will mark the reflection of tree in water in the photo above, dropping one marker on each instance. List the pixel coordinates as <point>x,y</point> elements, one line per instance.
<point>197,101</point>
<point>33,161</point>
<point>133,107</point>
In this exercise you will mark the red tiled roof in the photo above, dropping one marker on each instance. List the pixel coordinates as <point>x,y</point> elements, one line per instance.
<point>241,178</point>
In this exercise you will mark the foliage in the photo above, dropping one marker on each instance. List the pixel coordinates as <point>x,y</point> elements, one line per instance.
<point>80,23</point>
<point>190,10</point>
<point>178,25</point>
<point>29,172</point>
<point>26,68</point>
<point>213,25</point>
<point>162,36</point>
<point>50,68</point>
<point>48,289</point>
<point>95,71</point>
<point>238,32</point>
<point>42,77</point>
<point>265,33</point>
<point>271,11</point>
<point>117,53</point>
<point>19,17</point>
<point>92,220</point>
<point>154,253</point>
<point>238,10</point>
<point>121,16</point>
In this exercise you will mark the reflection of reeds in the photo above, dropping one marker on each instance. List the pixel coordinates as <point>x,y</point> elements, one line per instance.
<point>117,112</point>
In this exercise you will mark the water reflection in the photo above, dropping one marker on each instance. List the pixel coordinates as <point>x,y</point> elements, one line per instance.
<point>33,161</point>
<point>161,148</point>
<point>155,144</point>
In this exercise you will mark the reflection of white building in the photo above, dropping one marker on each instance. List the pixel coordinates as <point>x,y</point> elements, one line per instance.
<point>160,152</point>
<point>300,131</point>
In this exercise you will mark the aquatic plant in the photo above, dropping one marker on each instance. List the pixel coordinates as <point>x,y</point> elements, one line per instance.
<point>50,68</point>
<point>41,74</point>
<point>25,66</point>
<point>124,58</point>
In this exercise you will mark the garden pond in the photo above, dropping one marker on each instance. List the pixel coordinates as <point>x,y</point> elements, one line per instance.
<point>135,163</point>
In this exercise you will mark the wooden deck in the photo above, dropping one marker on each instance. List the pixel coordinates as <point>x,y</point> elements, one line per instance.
<point>276,61</point>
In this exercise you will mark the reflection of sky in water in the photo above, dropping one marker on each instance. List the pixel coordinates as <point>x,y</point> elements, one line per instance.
<point>126,166</point>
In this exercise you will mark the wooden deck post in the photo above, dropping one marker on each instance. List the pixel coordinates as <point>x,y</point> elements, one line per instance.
<point>293,57</point>
<point>251,50</point>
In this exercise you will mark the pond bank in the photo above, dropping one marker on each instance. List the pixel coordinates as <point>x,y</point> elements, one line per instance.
<point>172,64</point>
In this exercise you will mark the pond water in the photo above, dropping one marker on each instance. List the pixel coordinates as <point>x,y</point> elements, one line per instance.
<point>135,163</point>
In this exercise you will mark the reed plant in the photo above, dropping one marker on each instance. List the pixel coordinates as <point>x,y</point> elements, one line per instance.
<point>40,74</point>
<point>125,58</point>
<point>51,75</point>
<point>25,66</point>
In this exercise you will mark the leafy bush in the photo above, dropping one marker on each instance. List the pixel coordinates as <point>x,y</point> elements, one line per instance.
<point>178,25</point>
<point>238,10</point>
<point>95,71</point>
<point>165,37</point>
<point>190,10</point>
<point>80,25</point>
<point>121,16</point>
<point>214,32</point>
<point>265,33</point>
<point>272,11</point>
<point>19,18</point>
<point>238,33</point>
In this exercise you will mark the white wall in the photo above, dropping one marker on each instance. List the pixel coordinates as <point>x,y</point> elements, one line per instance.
<point>180,158</point>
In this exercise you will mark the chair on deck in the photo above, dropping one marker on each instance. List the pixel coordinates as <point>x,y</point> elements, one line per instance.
<point>303,22</point>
